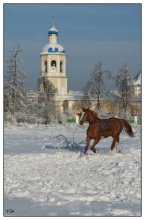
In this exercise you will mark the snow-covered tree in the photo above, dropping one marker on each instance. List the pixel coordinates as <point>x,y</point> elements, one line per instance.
<point>49,90</point>
<point>95,86</point>
<point>14,92</point>
<point>47,105</point>
<point>125,88</point>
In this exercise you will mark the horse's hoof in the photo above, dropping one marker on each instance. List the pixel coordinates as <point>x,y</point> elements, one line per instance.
<point>95,150</point>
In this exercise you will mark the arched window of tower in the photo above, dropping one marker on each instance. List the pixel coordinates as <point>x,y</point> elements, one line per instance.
<point>53,66</point>
<point>53,63</point>
<point>45,65</point>
<point>61,66</point>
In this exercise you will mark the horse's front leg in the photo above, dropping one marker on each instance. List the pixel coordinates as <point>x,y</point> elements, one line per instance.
<point>87,144</point>
<point>93,145</point>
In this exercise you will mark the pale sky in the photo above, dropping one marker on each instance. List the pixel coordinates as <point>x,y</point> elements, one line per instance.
<point>90,33</point>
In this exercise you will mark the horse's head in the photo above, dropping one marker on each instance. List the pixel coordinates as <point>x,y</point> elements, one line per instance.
<point>87,116</point>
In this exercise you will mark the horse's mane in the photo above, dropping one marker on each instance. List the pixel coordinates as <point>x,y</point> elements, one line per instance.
<point>94,114</point>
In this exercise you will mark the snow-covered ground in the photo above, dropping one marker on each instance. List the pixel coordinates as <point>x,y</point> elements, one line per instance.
<point>39,181</point>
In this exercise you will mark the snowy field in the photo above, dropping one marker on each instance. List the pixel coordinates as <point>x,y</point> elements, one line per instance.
<point>42,181</point>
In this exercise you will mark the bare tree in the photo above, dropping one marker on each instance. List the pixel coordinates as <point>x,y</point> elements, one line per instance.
<point>125,87</point>
<point>95,86</point>
<point>14,92</point>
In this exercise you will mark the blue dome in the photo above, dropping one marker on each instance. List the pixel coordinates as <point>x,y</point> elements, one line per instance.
<point>53,31</point>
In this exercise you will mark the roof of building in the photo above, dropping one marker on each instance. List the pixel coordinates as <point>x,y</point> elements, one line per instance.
<point>137,79</point>
<point>53,48</point>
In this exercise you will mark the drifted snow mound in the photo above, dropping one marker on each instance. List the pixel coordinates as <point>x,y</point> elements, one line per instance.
<point>63,142</point>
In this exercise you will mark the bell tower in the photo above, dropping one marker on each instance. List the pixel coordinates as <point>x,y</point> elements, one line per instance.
<point>53,62</point>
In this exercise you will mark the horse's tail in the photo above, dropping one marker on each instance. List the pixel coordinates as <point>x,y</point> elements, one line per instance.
<point>127,127</point>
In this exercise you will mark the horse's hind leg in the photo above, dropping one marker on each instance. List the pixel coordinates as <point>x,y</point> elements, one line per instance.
<point>113,143</point>
<point>117,145</point>
<point>118,139</point>
<point>117,142</point>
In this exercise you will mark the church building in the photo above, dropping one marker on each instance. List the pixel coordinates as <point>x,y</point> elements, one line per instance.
<point>54,68</point>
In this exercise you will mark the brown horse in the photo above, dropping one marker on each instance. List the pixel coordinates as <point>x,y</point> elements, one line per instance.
<point>103,128</point>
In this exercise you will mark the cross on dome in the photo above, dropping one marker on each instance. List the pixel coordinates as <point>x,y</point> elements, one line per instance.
<point>53,29</point>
